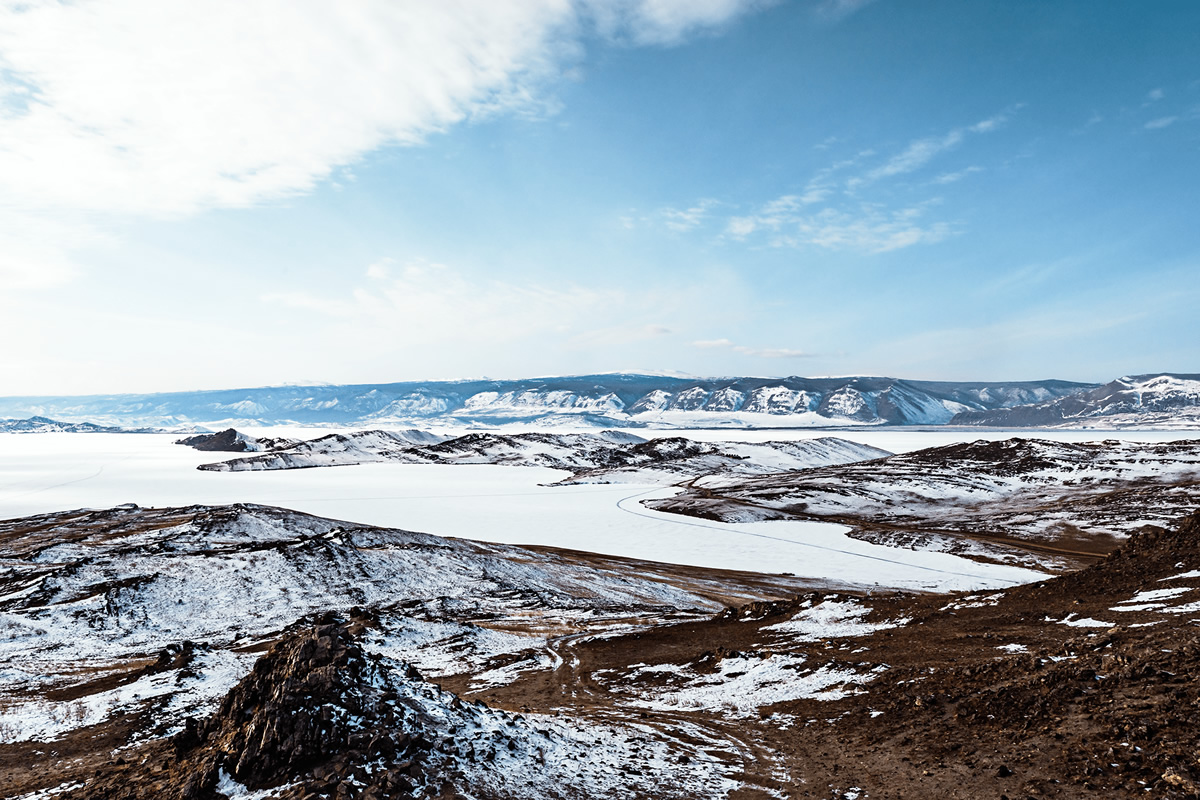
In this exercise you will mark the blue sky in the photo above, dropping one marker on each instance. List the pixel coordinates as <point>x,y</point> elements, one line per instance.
<point>374,191</point>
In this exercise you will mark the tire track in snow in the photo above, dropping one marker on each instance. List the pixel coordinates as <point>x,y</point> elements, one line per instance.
<point>666,518</point>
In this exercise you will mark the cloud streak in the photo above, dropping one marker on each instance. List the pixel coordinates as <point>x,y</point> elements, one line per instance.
<point>1160,123</point>
<point>920,152</point>
<point>756,352</point>
<point>831,212</point>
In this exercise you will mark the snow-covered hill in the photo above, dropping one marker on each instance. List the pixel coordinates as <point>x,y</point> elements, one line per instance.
<point>1140,401</point>
<point>602,401</point>
<point>152,653</point>
<point>604,457</point>
<point>1076,498</point>
<point>137,619</point>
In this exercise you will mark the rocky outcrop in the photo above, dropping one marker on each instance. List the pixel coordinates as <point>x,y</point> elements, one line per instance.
<point>233,441</point>
<point>316,718</point>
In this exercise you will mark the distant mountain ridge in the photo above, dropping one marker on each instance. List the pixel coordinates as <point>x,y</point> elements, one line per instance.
<point>606,401</point>
<point>1156,400</point>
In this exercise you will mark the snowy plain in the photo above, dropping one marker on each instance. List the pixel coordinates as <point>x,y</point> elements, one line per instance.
<point>58,471</point>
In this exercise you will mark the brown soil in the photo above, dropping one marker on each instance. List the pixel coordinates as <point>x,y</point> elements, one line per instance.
<point>1081,712</point>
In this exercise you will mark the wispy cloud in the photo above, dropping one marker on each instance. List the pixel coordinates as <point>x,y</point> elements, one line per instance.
<point>836,212</point>
<point>871,229</point>
<point>1161,122</point>
<point>682,220</point>
<point>920,152</point>
<point>757,352</point>
<point>863,228</point>
<point>955,177</point>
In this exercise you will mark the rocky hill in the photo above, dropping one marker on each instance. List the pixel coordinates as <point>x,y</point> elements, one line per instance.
<point>560,679</point>
<point>604,457</point>
<point>1060,503</point>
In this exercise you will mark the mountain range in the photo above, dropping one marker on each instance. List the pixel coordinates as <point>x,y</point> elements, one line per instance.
<point>630,400</point>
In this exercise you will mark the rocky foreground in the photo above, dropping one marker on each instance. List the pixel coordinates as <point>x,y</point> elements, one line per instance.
<point>590,684</point>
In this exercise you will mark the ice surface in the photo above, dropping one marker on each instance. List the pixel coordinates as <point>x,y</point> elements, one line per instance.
<point>51,472</point>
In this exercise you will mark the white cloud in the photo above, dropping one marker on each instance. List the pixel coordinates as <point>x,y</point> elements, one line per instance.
<point>166,108</point>
<point>712,344</point>
<point>1154,95</point>
<point>149,108</point>
<point>1161,122</point>
<point>380,269</point>
<point>741,227</point>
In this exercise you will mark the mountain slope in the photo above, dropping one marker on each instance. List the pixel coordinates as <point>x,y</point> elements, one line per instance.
<point>1160,400</point>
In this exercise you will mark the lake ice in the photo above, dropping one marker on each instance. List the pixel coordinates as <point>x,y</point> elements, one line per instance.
<point>53,472</point>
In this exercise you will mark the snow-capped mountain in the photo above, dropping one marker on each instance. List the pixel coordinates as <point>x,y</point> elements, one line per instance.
<point>1160,400</point>
<point>44,425</point>
<point>605,401</point>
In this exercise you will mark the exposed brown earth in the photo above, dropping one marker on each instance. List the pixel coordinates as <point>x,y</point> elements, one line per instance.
<point>942,705</point>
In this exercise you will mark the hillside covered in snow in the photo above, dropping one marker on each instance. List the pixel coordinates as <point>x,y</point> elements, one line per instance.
<point>251,652</point>
<point>1140,401</point>
<point>606,457</point>
<point>1063,502</point>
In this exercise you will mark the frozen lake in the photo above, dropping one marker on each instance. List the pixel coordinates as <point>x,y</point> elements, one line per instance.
<point>53,472</point>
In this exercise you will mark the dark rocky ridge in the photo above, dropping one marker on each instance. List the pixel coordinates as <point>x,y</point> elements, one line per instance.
<point>1107,711</point>
<point>231,441</point>
<point>226,441</point>
<point>316,716</point>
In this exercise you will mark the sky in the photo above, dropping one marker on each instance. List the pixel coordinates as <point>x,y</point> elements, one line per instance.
<point>233,194</point>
